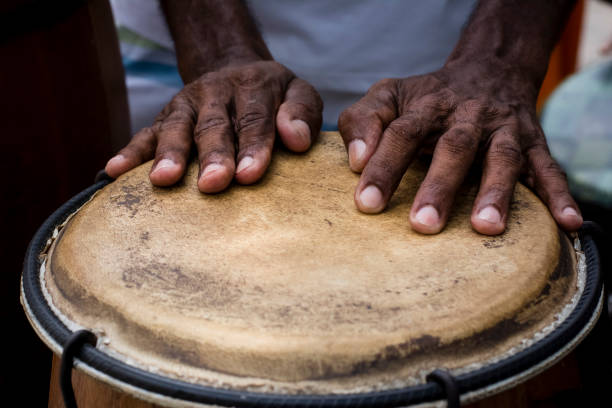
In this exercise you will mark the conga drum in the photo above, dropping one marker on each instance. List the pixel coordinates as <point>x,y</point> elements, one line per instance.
<point>282,294</point>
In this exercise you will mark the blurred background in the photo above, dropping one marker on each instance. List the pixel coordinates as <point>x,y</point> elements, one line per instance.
<point>64,112</point>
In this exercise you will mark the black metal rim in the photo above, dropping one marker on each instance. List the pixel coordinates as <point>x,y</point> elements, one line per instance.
<point>483,377</point>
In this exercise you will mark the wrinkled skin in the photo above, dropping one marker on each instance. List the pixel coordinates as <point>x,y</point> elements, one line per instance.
<point>231,116</point>
<point>463,113</point>
<point>479,109</point>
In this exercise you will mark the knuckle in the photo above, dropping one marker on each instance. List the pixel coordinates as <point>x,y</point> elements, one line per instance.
<point>354,116</point>
<point>252,147</point>
<point>306,96</point>
<point>173,124</point>
<point>507,153</point>
<point>431,103</point>
<point>551,169</point>
<point>180,114</point>
<point>215,154</point>
<point>459,140</point>
<point>310,110</point>
<point>383,176</point>
<point>404,132</point>
<point>383,86</point>
<point>208,124</point>
<point>317,100</point>
<point>536,149</point>
<point>161,115</point>
<point>471,108</point>
<point>146,133</point>
<point>386,91</point>
<point>250,120</point>
<point>503,113</point>
<point>143,140</point>
<point>434,186</point>
<point>388,165</point>
<point>180,102</point>
<point>172,150</point>
<point>383,170</point>
<point>179,107</point>
<point>141,150</point>
<point>498,189</point>
<point>447,97</point>
<point>435,109</point>
<point>346,118</point>
<point>250,76</point>
<point>208,82</point>
<point>559,191</point>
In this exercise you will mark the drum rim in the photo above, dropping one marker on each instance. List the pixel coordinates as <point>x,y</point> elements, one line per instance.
<point>481,378</point>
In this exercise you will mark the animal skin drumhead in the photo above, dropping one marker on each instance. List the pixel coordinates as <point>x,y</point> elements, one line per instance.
<point>284,286</point>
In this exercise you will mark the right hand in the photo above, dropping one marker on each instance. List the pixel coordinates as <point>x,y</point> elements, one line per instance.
<point>243,106</point>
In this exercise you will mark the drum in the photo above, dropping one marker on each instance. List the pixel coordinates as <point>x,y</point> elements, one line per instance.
<point>283,294</point>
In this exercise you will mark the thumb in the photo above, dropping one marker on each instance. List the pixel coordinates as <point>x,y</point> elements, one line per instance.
<point>299,117</point>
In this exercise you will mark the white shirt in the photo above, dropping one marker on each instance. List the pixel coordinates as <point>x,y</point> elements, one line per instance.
<point>341,47</point>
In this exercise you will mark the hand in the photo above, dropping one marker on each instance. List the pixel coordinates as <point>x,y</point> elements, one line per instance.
<point>243,106</point>
<point>462,111</point>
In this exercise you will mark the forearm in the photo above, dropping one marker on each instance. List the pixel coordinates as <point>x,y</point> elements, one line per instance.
<point>211,34</point>
<point>514,36</point>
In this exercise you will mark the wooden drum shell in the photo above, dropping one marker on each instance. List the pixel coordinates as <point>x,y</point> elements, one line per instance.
<point>383,363</point>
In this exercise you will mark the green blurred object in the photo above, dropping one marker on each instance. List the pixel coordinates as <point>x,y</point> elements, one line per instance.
<point>577,121</point>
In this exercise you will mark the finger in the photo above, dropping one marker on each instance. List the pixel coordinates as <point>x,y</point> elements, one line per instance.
<point>298,120</point>
<point>452,158</point>
<point>255,129</point>
<point>387,165</point>
<point>501,169</point>
<point>174,134</point>
<point>214,139</point>
<point>361,125</point>
<point>550,183</point>
<point>139,150</point>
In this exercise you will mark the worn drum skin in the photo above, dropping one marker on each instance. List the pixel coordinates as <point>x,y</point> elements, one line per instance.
<point>284,288</point>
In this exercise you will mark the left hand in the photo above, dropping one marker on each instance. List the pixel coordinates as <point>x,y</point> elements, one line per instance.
<point>462,111</point>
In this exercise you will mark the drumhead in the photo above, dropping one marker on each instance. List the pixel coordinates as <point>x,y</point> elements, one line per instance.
<point>283,291</point>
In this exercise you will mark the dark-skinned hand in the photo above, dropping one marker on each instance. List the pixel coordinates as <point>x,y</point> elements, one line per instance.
<point>463,112</point>
<point>232,116</point>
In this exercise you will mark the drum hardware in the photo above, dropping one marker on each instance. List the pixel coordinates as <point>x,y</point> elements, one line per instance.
<point>77,340</point>
<point>447,383</point>
<point>437,385</point>
<point>103,176</point>
<point>598,233</point>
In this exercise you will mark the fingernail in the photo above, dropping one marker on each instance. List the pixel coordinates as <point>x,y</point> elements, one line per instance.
<point>118,159</point>
<point>356,151</point>
<point>490,214</point>
<point>211,168</point>
<point>302,130</point>
<point>370,198</point>
<point>164,163</point>
<point>244,163</point>
<point>428,215</point>
<point>569,212</point>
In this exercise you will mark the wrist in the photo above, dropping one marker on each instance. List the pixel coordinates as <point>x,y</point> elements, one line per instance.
<point>509,67</point>
<point>194,64</point>
<point>212,34</point>
<point>497,74</point>
<point>512,40</point>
